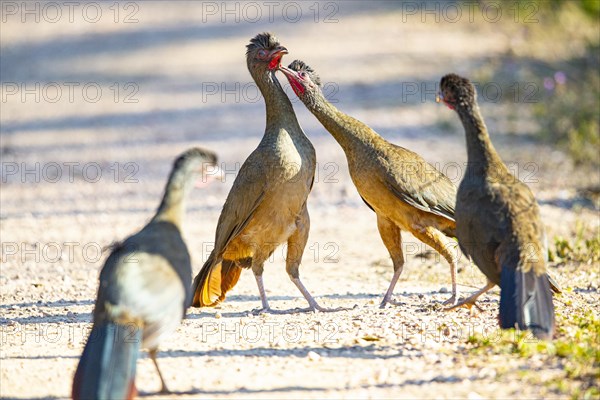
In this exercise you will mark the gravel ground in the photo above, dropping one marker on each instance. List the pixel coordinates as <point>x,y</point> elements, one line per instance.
<point>85,170</point>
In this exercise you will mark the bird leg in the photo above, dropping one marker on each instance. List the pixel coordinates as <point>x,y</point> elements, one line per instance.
<point>388,295</point>
<point>263,297</point>
<point>266,309</point>
<point>296,244</point>
<point>392,239</point>
<point>163,389</point>
<point>312,303</point>
<point>453,268</point>
<point>472,299</point>
<point>444,246</point>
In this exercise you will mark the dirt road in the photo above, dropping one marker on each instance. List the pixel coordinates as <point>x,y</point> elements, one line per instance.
<point>87,149</point>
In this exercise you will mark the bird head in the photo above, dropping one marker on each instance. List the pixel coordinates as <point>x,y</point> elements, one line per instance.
<point>456,92</point>
<point>303,79</point>
<point>264,52</point>
<point>198,162</point>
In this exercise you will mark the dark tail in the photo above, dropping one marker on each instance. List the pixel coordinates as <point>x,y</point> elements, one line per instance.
<point>214,281</point>
<point>106,369</point>
<point>554,285</point>
<point>526,302</point>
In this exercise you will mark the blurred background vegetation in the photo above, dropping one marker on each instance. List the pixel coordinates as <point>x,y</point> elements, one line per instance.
<point>555,56</point>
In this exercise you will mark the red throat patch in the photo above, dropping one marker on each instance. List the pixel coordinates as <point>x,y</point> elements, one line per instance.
<point>274,64</point>
<point>448,105</point>
<point>296,86</point>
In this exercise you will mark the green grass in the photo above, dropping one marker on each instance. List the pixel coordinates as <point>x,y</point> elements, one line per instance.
<point>551,75</point>
<point>575,350</point>
<point>581,249</point>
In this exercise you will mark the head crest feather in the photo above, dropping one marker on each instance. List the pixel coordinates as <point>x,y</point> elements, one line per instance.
<point>298,65</point>
<point>265,40</point>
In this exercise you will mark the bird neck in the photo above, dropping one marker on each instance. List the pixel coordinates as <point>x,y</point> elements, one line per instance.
<point>172,206</point>
<point>481,154</point>
<point>347,131</point>
<point>279,109</point>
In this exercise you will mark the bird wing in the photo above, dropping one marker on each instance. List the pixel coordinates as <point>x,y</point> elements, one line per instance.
<point>480,227</point>
<point>527,227</point>
<point>420,184</point>
<point>246,195</point>
<point>367,203</point>
<point>148,277</point>
<point>526,296</point>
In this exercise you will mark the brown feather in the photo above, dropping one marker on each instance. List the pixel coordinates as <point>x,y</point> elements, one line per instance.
<point>230,273</point>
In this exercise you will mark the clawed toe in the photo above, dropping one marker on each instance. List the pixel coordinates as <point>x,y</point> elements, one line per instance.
<point>297,310</point>
<point>164,390</point>
<point>392,302</point>
<point>315,308</point>
<point>264,310</point>
<point>452,301</point>
<point>328,310</point>
<point>468,304</point>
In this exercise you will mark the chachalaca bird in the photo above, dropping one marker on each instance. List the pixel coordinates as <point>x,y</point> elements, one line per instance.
<point>405,191</point>
<point>498,222</point>
<point>143,293</point>
<point>266,206</point>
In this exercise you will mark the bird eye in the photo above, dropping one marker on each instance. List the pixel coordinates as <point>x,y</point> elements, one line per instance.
<point>262,54</point>
<point>303,74</point>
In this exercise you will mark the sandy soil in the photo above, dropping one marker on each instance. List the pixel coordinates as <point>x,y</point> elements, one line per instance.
<point>97,169</point>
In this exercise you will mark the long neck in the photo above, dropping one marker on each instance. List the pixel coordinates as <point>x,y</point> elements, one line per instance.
<point>480,151</point>
<point>279,108</point>
<point>346,130</point>
<point>172,206</point>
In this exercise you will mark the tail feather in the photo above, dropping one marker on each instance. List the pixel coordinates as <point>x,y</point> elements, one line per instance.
<point>526,302</point>
<point>214,281</point>
<point>554,285</point>
<point>106,369</point>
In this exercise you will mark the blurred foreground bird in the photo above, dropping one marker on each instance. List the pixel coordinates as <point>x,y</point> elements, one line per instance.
<point>143,293</point>
<point>498,222</point>
<point>266,206</point>
<point>405,191</point>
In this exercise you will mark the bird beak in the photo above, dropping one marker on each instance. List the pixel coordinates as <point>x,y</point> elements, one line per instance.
<point>439,98</point>
<point>289,73</point>
<point>209,173</point>
<point>293,79</point>
<point>279,50</point>
<point>276,55</point>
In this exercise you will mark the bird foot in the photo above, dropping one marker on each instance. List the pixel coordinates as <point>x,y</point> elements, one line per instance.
<point>467,303</point>
<point>298,310</point>
<point>164,390</point>
<point>392,302</point>
<point>328,310</point>
<point>268,310</point>
<point>452,301</point>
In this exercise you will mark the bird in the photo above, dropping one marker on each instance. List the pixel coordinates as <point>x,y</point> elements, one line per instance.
<point>405,192</point>
<point>144,291</point>
<point>498,222</point>
<point>267,204</point>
